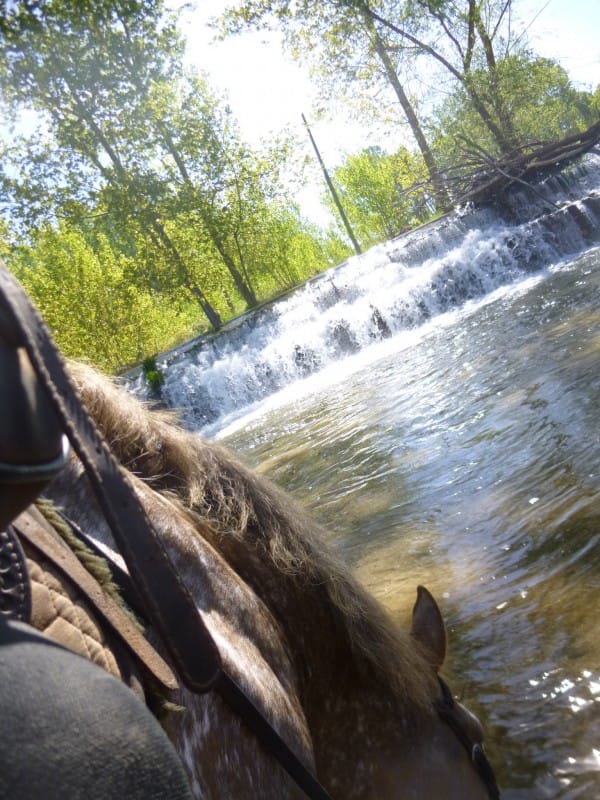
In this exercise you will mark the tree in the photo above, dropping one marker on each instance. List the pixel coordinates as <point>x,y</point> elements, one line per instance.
<point>539,97</point>
<point>341,41</point>
<point>373,187</point>
<point>595,103</point>
<point>205,157</point>
<point>130,131</point>
<point>133,137</point>
<point>458,37</point>
<point>90,303</point>
<point>5,247</point>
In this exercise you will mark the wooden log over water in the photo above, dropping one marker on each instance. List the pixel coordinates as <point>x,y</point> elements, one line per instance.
<point>521,165</point>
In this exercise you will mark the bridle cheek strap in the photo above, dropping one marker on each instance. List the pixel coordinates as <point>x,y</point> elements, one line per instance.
<point>447,711</point>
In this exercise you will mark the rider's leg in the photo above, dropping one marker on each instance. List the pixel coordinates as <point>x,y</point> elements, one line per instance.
<point>69,730</point>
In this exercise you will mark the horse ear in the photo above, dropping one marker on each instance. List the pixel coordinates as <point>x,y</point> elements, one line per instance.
<point>428,627</point>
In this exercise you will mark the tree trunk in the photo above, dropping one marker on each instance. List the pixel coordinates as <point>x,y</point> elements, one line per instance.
<point>442,197</point>
<point>124,181</point>
<point>211,314</point>
<point>245,289</point>
<point>490,58</point>
<point>504,140</point>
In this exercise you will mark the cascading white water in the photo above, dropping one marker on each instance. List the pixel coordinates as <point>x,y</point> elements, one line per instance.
<point>392,288</point>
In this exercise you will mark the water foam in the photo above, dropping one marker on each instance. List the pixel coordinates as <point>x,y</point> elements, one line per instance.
<point>393,289</point>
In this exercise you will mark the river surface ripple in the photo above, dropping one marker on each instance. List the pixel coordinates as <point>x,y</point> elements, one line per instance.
<point>466,456</point>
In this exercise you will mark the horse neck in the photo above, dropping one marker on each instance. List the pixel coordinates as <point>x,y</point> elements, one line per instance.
<point>354,717</point>
<point>351,707</point>
<point>354,723</point>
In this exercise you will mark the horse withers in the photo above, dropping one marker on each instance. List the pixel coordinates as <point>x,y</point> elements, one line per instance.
<point>358,700</point>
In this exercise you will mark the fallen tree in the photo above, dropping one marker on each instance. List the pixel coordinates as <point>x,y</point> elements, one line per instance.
<point>481,178</point>
<point>522,165</point>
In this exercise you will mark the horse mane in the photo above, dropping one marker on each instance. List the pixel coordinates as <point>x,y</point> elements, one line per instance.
<point>241,507</point>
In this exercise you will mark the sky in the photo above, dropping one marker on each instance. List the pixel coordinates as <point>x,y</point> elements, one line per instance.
<point>268,91</point>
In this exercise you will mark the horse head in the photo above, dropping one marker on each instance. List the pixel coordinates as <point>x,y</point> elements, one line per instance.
<point>447,760</point>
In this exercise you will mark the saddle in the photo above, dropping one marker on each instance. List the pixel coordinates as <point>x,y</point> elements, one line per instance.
<point>42,580</point>
<point>66,592</point>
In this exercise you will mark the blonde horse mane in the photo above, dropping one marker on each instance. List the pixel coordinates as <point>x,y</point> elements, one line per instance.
<point>239,506</point>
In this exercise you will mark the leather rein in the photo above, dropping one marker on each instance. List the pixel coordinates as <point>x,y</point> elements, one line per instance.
<point>447,709</point>
<point>176,619</point>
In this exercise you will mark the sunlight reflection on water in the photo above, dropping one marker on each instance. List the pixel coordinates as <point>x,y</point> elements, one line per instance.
<point>468,461</point>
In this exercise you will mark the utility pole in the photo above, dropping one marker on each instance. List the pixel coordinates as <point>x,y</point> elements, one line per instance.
<point>334,194</point>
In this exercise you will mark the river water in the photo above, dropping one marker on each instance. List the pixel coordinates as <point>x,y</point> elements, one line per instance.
<point>467,457</point>
<point>462,451</point>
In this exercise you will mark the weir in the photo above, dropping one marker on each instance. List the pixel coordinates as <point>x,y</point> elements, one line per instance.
<point>394,287</point>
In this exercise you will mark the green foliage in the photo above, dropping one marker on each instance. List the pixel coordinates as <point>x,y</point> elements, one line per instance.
<point>540,98</point>
<point>595,102</point>
<point>131,133</point>
<point>373,188</point>
<point>90,304</point>
<point>153,375</point>
<point>5,248</point>
<point>536,92</point>
<point>132,150</point>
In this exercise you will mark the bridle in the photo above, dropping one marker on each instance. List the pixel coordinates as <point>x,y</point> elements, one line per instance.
<point>176,618</point>
<point>448,712</point>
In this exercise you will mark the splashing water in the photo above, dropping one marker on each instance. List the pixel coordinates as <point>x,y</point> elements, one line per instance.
<point>394,288</point>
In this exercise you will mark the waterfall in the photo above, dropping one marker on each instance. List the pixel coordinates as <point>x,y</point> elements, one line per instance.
<point>394,287</point>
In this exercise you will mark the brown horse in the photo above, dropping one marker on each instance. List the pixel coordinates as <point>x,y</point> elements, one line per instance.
<point>357,699</point>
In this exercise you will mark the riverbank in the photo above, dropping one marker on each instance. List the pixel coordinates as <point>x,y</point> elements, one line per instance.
<point>393,288</point>
<point>495,185</point>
